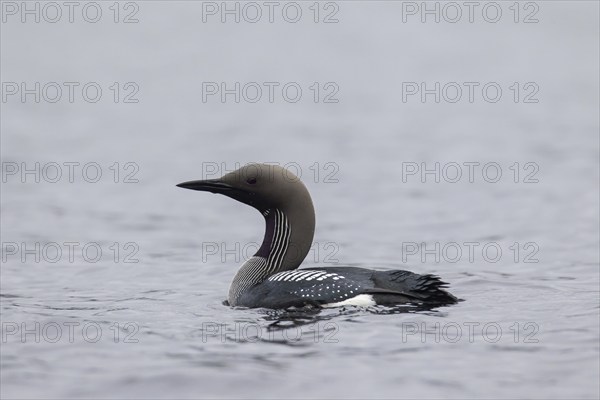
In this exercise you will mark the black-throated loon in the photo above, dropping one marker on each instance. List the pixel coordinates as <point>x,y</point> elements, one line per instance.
<point>270,279</point>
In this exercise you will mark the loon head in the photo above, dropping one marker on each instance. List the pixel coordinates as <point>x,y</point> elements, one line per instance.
<point>261,186</point>
<point>281,198</point>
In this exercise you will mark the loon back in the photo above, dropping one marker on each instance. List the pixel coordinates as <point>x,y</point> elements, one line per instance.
<point>271,279</point>
<point>341,286</point>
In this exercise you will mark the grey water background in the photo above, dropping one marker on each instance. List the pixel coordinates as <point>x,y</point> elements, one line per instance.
<point>175,337</point>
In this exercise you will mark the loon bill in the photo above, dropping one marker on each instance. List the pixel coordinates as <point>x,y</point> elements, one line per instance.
<point>270,279</point>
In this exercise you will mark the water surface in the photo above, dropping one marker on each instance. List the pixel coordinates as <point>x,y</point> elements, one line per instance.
<point>528,327</point>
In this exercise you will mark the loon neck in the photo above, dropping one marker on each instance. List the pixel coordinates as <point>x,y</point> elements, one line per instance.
<point>277,237</point>
<point>287,241</point>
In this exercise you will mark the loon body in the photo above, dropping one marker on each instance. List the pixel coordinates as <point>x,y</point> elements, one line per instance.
<point>271,278</point>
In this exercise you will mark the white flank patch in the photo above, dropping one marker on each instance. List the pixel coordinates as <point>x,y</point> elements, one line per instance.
<point>362,300</point>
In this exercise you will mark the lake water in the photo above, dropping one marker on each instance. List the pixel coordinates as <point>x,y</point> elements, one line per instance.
<point>112,285</point>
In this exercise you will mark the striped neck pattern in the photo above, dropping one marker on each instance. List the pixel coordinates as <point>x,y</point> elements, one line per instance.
<point>268,260</point>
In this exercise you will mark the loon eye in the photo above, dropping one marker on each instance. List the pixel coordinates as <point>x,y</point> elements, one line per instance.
<point>251,181</point>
